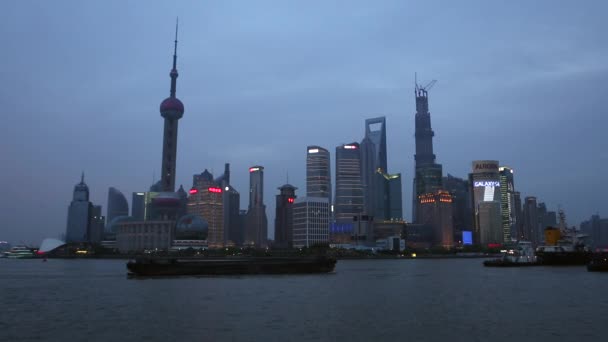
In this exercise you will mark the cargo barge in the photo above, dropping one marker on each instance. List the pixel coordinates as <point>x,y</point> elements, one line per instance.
<point>230,266</point>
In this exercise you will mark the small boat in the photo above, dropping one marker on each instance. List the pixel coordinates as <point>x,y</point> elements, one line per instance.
<point>230,266</point>
<point>598,263</point>
<point>19,252</point>
<point>520,256</point>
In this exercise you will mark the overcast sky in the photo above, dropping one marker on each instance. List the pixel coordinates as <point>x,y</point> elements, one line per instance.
<point>523,82</point>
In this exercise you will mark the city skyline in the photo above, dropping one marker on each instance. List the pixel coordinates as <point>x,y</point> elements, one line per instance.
<point>61,122</point>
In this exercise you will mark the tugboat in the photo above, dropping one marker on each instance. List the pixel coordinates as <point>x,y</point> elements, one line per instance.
<point>598,263</point>
<point>521,255</point>
<point>563,246</point>
<point>230,266</point>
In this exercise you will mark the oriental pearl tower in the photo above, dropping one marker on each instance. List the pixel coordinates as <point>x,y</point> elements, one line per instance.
<point>172,109</point>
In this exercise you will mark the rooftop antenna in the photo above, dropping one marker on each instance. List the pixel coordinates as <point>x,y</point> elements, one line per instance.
<point>287,174</point>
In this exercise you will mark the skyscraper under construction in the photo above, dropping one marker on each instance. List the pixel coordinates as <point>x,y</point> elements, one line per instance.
<point>428,174</point>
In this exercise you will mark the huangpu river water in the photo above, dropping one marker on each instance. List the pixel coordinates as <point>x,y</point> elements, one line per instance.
<point>364,300</point>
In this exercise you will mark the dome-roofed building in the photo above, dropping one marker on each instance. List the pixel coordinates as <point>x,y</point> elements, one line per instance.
<point>191,233</point>
<point>191,227</point>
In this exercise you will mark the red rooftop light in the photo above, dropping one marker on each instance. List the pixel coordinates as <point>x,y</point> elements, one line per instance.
<point>193,191</point>
<point>215,190</point>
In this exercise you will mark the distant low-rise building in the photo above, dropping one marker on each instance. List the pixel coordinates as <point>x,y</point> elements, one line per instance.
<point>136,236</point>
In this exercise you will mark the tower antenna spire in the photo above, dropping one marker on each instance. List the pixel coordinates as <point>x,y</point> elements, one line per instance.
<point>174,73</point>
<point>175,42</point>
<point>82,177</point>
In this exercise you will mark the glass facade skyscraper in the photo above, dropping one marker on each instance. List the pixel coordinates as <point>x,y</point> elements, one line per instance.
<point>117,204</point>
<point>507,203</point>
<point>318,172</point>
<point>486,199</point>
<point>373,159</point>
<point>256,222</point>
<point>349,188</point>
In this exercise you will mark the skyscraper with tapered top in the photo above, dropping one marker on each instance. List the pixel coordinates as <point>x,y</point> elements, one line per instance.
<point>171,109</point>
<point>428,174</point>
<point>373,160</point>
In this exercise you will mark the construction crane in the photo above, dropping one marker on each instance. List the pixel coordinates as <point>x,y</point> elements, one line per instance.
<point>420,90</point>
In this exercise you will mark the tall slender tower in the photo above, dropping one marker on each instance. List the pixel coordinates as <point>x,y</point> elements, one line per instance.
<point>256,222</point>
<point>428,174</point>
<point>172,109</point>
<point>373,160</point>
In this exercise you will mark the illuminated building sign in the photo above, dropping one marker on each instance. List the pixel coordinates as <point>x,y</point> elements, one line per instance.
<point>140,194</point>
<point>485,166</point>
<point>350,147</point>
<point>313,150</point>
<point>215,190</point>
<point>193,191</point>
<point>290,200</point>
<point>486,183</point>
<point>254,169</point>
<point>467,237</point>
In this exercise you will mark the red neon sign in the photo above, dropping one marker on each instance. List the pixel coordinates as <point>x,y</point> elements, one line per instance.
<point>193,191</point>
<point>215,190</point>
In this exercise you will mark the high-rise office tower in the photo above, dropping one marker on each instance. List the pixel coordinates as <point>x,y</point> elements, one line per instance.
<point>462,216</point>
<point>427,173</point>
<point>435,210</point>
<point>96,225</point>
<point>117,204</point>
<point>206,201</point>
<point>138,206</point>
<point>387,197</point>
<point>171,109</point>
<point>518,229</point>
<point>507,203</point>
<point>318,172</point>
<point>310,222</point>
<point>231,201</point>
<point>142,208</point>
<point>373,159</point>
<point>283,223</point>
<point>349,199</point>
<point>530,217</point>
<point>485,200</point>
<point>256,222</point>
<point>79,214</point>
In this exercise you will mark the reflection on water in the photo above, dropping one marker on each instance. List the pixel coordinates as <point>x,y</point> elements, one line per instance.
<point>364,300</point>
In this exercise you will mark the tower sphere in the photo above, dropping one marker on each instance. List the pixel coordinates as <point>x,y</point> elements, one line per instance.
<point>171,108</point>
